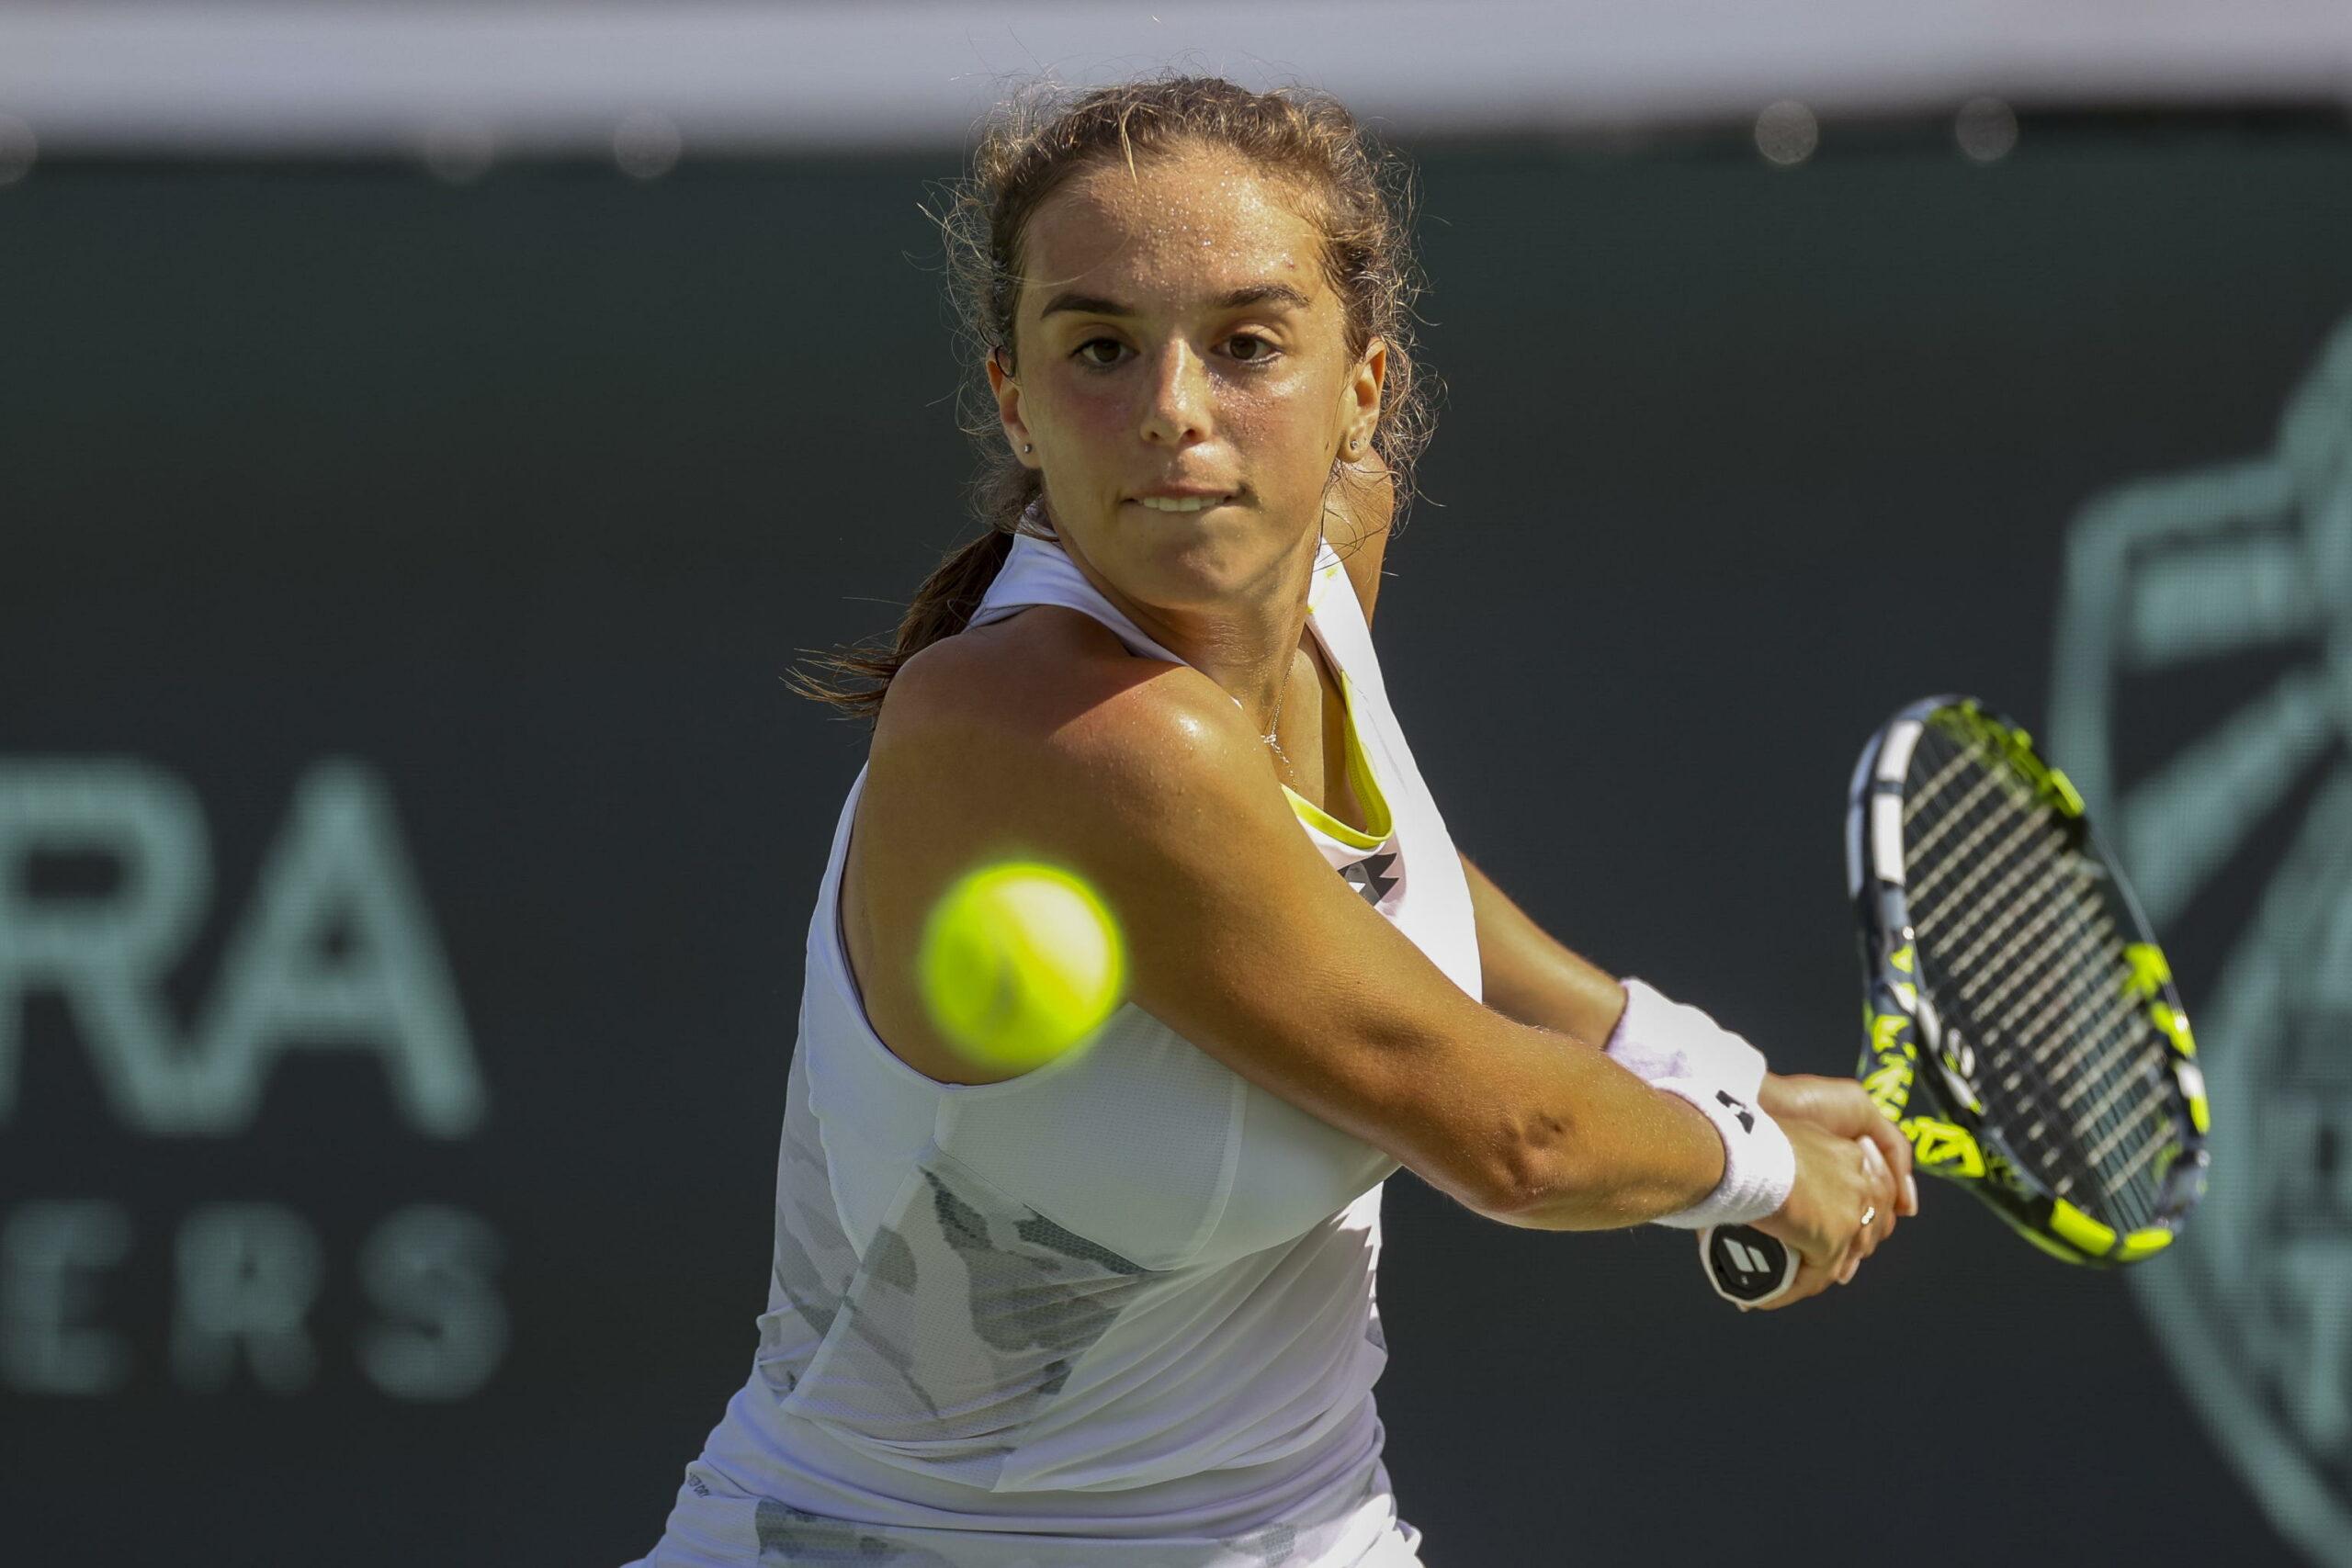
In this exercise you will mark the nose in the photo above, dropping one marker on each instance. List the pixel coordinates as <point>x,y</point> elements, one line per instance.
<point>1176,399</point>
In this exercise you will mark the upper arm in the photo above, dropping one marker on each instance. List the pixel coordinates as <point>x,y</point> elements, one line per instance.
<point>1531,975</point>
<point>1144,779</point>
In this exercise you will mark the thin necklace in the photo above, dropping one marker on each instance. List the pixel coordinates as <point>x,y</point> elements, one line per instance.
<point>1268,737</point>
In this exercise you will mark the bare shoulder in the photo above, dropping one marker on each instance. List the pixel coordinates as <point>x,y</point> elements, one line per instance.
<point>1055,689</point>
<point>1040,737</point>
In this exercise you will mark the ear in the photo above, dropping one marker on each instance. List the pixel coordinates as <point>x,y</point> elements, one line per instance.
<point>1006,391</point>
<point>1360,400</point>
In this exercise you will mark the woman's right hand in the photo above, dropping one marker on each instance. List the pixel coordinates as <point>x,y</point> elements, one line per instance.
<point>1840,1179</point>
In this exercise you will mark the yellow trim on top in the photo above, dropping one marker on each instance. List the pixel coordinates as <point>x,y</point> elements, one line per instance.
<point>1323,822</point>
<point>1359,773</point>
<point>1367,787</point>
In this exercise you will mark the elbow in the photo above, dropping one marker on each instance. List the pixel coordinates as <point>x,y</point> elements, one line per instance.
<point>1530,1173</point>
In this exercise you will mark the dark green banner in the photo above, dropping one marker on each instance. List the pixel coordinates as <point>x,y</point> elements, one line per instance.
<point>406,842</point>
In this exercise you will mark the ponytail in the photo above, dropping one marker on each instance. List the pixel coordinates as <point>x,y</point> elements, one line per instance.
<point>942,606</point>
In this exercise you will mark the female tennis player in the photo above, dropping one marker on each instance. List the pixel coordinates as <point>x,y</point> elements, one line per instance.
<point>1119,1310</point>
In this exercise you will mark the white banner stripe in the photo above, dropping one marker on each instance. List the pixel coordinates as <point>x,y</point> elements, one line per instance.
<point>538,77</point>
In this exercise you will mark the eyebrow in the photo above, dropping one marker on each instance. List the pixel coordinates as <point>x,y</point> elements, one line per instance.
<point>1256,294</point>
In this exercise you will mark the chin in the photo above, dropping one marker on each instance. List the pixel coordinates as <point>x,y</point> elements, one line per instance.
<point>1174,559</point>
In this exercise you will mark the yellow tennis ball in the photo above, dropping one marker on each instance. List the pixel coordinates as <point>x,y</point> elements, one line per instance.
<point>1020,964</point>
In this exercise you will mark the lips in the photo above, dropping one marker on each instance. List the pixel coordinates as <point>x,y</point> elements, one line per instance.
<point>1178,503</point>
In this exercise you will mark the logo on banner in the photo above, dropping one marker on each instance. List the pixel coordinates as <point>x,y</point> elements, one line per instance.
<point>2203,704</point>
<point>334,949</point>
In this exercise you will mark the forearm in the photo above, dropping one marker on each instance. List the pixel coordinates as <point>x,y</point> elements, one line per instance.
<point>1596,1148</point>
<point>1529,977</point>
<point>1534,980</point>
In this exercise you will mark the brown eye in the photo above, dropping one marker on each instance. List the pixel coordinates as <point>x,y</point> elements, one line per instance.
<point>1080,355</point>
<point>1265,349</point>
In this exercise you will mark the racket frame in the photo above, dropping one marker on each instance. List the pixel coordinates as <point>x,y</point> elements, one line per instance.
<point>1923,1080</point>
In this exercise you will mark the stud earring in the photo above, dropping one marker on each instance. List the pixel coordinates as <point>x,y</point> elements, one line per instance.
<point>1025,449</point>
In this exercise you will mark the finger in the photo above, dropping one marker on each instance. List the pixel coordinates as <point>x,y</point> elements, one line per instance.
<point>1813,1278</point>
<point>1873,1212</point>
<point>1805,1096</point>
<point>1880,1225</point>
<point>1895,1150</point>
<point>1818,1265</point>
<point>1788,1094</point>
<point>1837,1266</point>
<point>1885,1196</point>
<point>1843,1107</point>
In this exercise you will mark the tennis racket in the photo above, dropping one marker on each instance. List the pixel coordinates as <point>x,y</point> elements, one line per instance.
<point>2022,1026</point>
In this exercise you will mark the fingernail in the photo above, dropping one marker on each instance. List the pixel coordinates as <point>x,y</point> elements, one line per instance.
<point>1911,1190</point>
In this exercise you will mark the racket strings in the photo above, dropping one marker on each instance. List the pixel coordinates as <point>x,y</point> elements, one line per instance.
<point>2025,834</point>
<point>2082,1098</point>
<point>2022,958</point>
<point>2060,895</point>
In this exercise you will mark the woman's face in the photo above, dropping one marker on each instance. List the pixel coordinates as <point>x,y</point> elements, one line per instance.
<point>1175,333</point>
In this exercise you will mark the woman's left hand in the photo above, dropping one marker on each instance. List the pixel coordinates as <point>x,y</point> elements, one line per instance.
<point>1840,1106</point>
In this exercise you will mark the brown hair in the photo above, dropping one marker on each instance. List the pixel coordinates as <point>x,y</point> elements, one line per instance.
<point>1027,148</point>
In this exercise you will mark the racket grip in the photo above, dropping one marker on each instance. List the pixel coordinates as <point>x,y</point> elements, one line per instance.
<point>1745,1267</point>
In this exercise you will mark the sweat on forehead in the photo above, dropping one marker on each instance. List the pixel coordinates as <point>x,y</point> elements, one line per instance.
<point>1218,169</point>
<point>1172,213</point>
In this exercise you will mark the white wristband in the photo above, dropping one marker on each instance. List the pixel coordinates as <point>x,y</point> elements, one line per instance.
<point>1657,1039</point>
<point>1759,1164</point>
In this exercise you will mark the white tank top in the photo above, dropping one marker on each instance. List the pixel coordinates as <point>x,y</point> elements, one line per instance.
<point>1118,1309</point>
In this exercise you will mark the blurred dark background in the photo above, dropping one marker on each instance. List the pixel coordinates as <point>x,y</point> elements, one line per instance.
<point>406,842</point>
